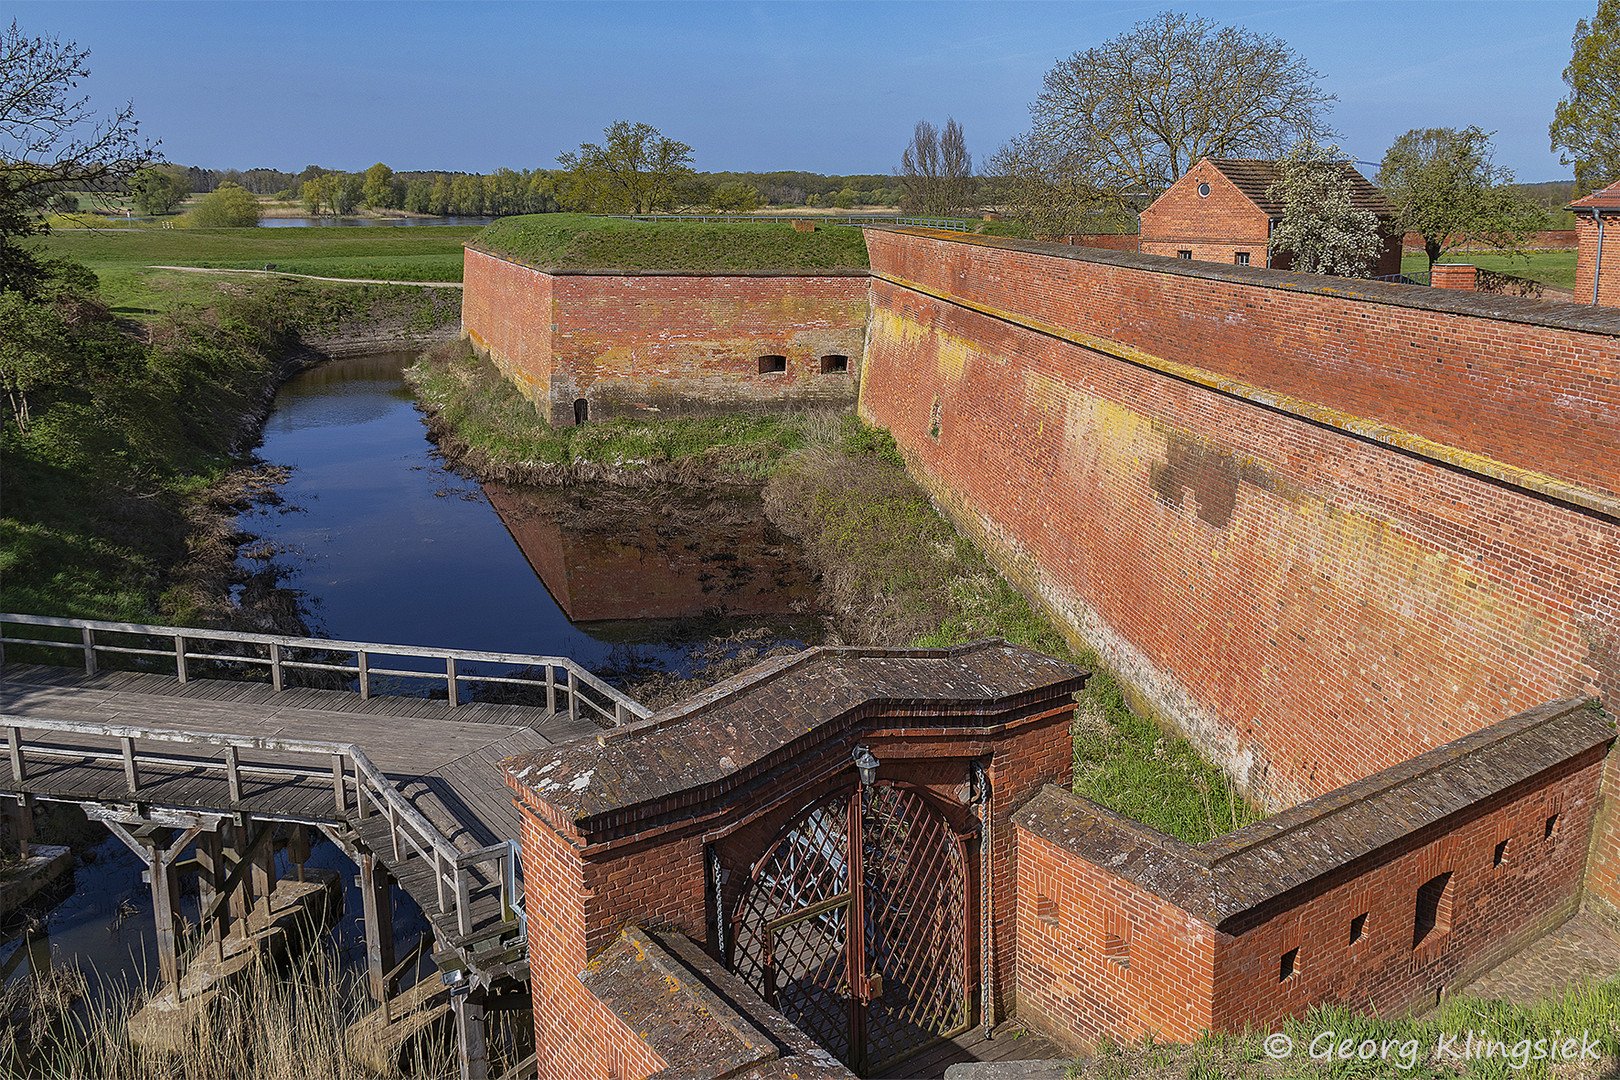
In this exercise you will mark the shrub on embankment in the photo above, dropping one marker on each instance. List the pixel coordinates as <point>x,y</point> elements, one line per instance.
<point>582,242</point>
<point>112,434</point>
<point>892,570</point>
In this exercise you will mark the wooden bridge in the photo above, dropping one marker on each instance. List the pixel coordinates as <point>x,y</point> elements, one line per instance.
<point>220,751</point>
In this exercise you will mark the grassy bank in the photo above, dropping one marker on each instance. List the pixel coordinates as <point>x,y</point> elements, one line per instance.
<point>891,569</point>
<point>581,242</point>
<point>1430,1046</point>
<point>1554,268</point>
<point>116,458</point>
<point>486,426</point>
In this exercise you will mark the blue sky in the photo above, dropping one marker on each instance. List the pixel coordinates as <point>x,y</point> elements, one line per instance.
<point>827,87</point>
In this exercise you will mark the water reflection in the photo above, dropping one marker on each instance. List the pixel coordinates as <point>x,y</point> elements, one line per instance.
<point>609,554</point>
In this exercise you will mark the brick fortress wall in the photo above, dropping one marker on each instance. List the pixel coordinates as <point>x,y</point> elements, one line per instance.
<point>665,344</point>
<point>1384,895</point>
<point>1316,580</point>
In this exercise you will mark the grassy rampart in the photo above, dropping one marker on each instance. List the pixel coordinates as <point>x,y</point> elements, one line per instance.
<point>581,242</point>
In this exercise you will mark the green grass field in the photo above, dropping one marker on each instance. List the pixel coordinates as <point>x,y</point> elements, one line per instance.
<point>1553,268</point>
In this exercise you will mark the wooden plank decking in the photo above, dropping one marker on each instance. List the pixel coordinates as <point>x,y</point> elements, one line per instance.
<point>446,761</point>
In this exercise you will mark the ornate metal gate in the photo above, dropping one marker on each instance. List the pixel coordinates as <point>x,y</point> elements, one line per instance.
<point>864,944</point>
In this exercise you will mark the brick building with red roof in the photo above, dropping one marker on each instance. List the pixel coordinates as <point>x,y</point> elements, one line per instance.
<point>1219,211</point>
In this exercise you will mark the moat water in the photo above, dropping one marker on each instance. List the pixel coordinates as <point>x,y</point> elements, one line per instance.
<point>378,540</point>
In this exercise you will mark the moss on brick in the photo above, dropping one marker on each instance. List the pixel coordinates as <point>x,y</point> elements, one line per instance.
<point>583,242</point>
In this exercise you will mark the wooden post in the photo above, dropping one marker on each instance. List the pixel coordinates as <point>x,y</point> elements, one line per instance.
<point>298,850</point>
<point>264,873</point>
<point>573,696</point>
<point>163,897</point>
<point>438,879</point>
<point>89,637</point>
<point>232,775</point>
<point>470,1034</point>
<point>180,657</point>
<point>23,830</point>
<point>363,663</point>
<point>338,794</point>
<point>210,879</point>
<point>450,680</point>
<point>551,689</point>
<point>19,772</point>
<point>235,837</point>
<point>378,914</point>
<point>130,775</point>
<point>275,666</point>
<point>463,900</point>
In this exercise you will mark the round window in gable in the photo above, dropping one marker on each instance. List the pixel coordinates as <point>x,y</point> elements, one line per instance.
<point>1203,190</point>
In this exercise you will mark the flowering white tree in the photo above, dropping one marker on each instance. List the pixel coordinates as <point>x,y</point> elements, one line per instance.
<point>1322,228</point>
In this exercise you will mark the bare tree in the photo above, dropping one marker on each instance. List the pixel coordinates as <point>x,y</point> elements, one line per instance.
<point>936,171</point>
<point>1119,123</point>
<point>50,142</point>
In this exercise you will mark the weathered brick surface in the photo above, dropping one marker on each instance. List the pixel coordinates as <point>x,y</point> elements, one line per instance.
<point>663,343</point>
<point>1586,264</point>
<point>1454,276</point>
<point>1207,929</point>
<point>619,826</point>
<point>1310,606</point>
<point>1603,860</point>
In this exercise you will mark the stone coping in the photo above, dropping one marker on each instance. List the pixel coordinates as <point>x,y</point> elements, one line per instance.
<point>609,272</point>
<point>703,1021</point>
<point>1223,880</point>
<point>740,728</point>
<point>1557,314</point>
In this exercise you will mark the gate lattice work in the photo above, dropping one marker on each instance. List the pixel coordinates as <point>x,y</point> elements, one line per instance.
<point>855,926</point>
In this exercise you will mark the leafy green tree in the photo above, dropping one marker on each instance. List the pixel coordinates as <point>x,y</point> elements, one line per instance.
<point>378,187</point>
<point>1446,188</point>
<point>313,194</point>
<point>1119,123</point>
<point>439,200</point>
<point>228,206</point>
<point>1586,126</point>
<point>418,194</point>
<point>1322,228</point>
<point>51,140</point>
<point>735,197</point>
<point>159,189</point>
<point>635,170</point>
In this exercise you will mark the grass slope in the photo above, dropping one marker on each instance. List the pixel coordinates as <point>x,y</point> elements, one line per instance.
<point>581,242</point>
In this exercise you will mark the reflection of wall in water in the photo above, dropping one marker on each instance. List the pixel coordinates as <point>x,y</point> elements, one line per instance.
<point>610,554</point>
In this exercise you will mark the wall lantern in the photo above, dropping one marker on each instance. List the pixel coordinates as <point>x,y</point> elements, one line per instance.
<point>866,765</point>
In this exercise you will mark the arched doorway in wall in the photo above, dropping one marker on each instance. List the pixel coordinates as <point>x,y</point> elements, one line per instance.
<point>582,411</point>
<point>855,925</point>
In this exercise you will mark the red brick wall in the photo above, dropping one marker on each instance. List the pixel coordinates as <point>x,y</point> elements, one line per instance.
<point>1587,262</point>
<point>1110,241</point>
<point>1309,606</point>
<point>1454,276</point>
<point>664,344</point>
<point>1603,861</point>
<point>576,1036</point>
<point>1071,984</point>
<point>1186,975</point>
<point>1215,227</point>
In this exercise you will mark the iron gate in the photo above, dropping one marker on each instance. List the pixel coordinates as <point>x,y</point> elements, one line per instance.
<point>864,945</point>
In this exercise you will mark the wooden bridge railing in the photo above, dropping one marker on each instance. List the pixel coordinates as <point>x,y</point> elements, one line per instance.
<point>359,789</point>
<point>279,657</point>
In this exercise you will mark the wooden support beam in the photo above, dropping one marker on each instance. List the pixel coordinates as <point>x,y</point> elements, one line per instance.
<point>471,1036</point>
<point>165,894</point>
<point>264,869</point>
<point>298,850</point>
<point>235,889</point>
<point>210,886</point>
<point>378,914</point>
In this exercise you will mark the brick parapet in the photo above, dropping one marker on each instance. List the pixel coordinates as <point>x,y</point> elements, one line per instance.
<point>1314,906</point>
